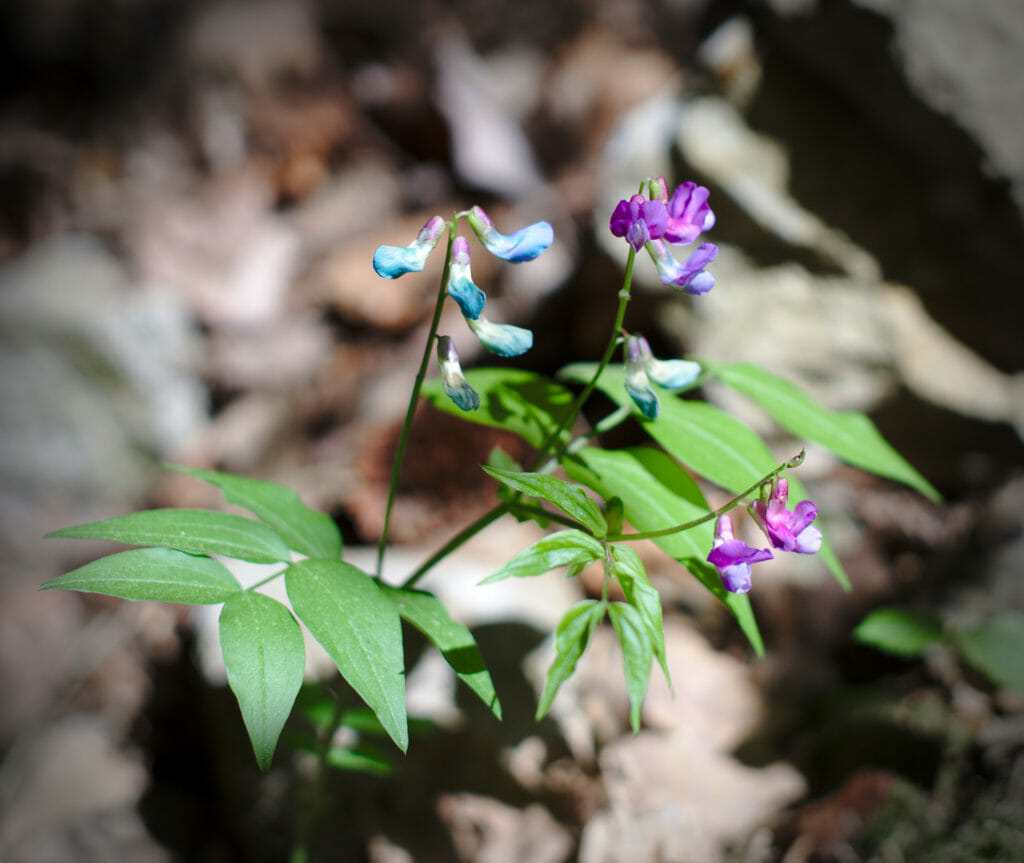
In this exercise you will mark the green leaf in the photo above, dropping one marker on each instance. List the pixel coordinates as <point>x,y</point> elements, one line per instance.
<point>456,643</point>
<point>361,758</point>
<point>569,498</point>
<point>710,442</point>
<point>640,594</point>
<point>995,648</point>
<point>196,531</point>
<point>637,654</point>
<point>565,548</point>
<point>307,531</point>
<point>264,656</point>
<point>657,493</point>
<point>152,573</point>
<point>359,626</point>
<point>571,638</point>
<point>528,404</point>
<point>898,631</point>
<point>849,434</point>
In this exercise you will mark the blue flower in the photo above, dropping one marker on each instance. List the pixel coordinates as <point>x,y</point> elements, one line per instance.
<point>454,382</point>
<point>505,340</point>
<point>642,368</point>
<point>524,245</point>
<point>390,262</point>
<point>460,281</point>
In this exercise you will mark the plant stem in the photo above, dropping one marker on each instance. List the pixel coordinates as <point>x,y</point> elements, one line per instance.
<point>314,806</point>
<point>730,504</point>
<point>577,405</point>
<point>467,533</point>
<point>403,438</point>
<point>548,460</point>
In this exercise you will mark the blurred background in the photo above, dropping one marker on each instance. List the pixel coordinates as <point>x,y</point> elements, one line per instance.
<point>190,197</point>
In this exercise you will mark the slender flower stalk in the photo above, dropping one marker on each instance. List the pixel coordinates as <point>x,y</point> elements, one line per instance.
<point>421,374</point>
<point>581,399</point>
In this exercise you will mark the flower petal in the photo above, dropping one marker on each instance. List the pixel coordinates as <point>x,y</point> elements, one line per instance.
<point>460,281</point>
<point>454,382</point>
<point>689,276</point>
<point>672,374</point>
<point>390,262</point>
<point>637,384</point>
<point>523,245</point>
<point>505,340</point>
<point>688,213</point>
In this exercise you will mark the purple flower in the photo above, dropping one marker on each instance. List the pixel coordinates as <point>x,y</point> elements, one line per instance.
<point>689,276</point>
<point>394,261</point>
<point>639,220</point>
<point>788,531</point>
<point>452,379</point>
<point>523,245</point>
<point>460,281</point>
<point>688,213</point>
<point>732,557</point>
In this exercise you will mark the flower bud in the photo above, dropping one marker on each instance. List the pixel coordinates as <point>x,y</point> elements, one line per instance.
<point>523,245</point>
<point>460,281</point>
<point>454,382</point>
<point>390,262</point>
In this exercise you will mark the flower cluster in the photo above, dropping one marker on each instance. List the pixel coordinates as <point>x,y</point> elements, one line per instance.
<point>505,340</point>
<point>655,221</point>
<point>786,531</point>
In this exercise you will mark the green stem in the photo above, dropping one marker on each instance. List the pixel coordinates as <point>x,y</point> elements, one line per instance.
<point>730,504</point>
<point>577,405</point>
<point>464,535</point>
<point>266,580</point>
<point>403,438</point>
<point>315,804</point>
<point>501,509</point>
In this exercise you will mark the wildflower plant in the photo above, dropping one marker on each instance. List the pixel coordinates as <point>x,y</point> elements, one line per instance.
<point>599,501</point>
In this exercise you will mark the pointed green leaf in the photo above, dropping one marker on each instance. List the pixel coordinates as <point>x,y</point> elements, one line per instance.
<point>307,531</point>
<point>995,648</point>
<point>152,573</point>
<point>456,643</point>
<point>565,548</point>
<point>264,656</point>
<point>569,498</point>
<point>361,758</point>
<point>849,434</point>
<point>657,493</point>
<point>637,655</point>
<point>641,594</point>
<point>196,531</point>
<point>898,631</point>
<point>571,638</point>
<point>710,442</point>
<point>359,626</point>
<point>528,404</point>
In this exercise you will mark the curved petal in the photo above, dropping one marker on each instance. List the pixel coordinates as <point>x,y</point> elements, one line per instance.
<point>689,276</point>
<point>390,262</point>
<point>454,382</point>
<point>688,213</point>
<point>736,578</point>
<point>523,245</point>
<point>637,384</point>
<point>505,340</point>
<point>808,541</point>
<point>460,281</point>
<point>672,374</point>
